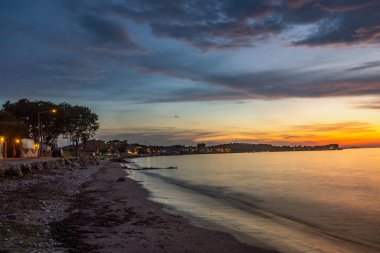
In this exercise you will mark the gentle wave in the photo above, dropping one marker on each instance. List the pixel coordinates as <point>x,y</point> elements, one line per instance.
<point>245,202</point>
<point>295,202</point>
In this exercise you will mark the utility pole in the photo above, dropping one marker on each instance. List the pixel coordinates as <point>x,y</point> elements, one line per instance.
<point>39,129</point>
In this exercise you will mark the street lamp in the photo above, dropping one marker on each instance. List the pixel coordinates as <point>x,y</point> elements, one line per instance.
<point>3,147</point>
<point>39,128</point>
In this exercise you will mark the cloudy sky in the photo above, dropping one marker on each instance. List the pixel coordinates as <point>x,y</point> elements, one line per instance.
<point>188,71</point>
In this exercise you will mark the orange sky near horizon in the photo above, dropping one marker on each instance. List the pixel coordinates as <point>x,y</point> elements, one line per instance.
<point>279,122</point>
<point>344,138</point>
<point>281,72</point>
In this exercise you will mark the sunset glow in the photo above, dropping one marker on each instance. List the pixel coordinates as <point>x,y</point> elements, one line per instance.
<point>163,79</point>
<point>211,126</point>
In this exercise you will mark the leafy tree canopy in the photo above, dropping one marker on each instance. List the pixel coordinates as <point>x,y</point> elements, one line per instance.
<point>78,123</point>
<point>11,127</point>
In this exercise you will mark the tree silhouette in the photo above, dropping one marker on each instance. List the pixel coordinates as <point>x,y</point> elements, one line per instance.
<point>78,123</point>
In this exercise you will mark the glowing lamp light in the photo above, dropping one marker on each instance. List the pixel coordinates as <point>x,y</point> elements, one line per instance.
<point>17,141</point>
<point>53,110</point>
<point>2,139</point>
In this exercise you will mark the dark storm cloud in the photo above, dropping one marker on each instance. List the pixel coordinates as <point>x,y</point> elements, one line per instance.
<point>232,23</point>
<point>296,83</point>
<point>271,84</point>
<point>302,13</point>
<point>256,87</point>
<point>205,24</point>
<point>345,5</point>
<point>105,30</point>
<point>86,49</point>
<point>349,22</point>
<point>228,23</point>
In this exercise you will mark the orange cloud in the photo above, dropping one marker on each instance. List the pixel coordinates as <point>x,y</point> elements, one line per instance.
<point>344,133</point>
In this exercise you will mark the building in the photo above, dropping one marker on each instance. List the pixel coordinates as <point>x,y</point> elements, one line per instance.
<point>3,147</point>
<point>11,132</point>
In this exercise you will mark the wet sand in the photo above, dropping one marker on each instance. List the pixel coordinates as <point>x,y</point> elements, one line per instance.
<point>112,215</point>
<point>96,209</point>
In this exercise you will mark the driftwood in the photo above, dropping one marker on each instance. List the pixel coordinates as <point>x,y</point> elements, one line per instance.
<point>155,168</point>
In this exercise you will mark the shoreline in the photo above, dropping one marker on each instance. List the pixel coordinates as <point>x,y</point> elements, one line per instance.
<point>33,194</point>
<point>265,228</point>
<point>115,215</point>
<point>96,208</point>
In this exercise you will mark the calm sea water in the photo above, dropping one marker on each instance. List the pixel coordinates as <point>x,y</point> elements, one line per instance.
<point>323,201</point>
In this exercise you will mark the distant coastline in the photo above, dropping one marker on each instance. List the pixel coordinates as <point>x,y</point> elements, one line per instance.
<point>123,148</point>
<point>230,148</point>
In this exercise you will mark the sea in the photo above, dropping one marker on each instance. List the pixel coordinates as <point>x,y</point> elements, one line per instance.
<point>308,201</point>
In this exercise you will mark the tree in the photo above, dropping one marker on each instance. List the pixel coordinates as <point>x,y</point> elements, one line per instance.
<point>122,147</point>
<point>201,146</point>
<point>11,127</point>
<point>27,111</point>
<point>77,123</point>
<point>80,123</point>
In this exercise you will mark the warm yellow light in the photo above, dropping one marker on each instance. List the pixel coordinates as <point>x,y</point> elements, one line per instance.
<point>2,139</point>
<point>54,110</point>
<point>17,141</point>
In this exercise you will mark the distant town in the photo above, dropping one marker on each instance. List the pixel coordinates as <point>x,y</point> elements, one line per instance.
<point>31,129</point>
<point>122,147</point>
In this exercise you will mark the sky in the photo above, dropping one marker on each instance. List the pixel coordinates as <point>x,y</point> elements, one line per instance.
<point>296,72</point>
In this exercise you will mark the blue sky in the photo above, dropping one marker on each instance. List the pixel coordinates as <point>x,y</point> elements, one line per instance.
<point>189,70</point>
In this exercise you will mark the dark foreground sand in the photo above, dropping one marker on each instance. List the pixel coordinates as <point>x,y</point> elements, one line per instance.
<point>50,214</point>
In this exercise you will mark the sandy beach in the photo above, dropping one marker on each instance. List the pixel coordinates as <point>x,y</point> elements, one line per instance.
<point>96,209</point>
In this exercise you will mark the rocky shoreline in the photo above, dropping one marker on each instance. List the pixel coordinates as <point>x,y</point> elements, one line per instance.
<point>19,170</point>
<point>76,205</point>
<point>35,194</point>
